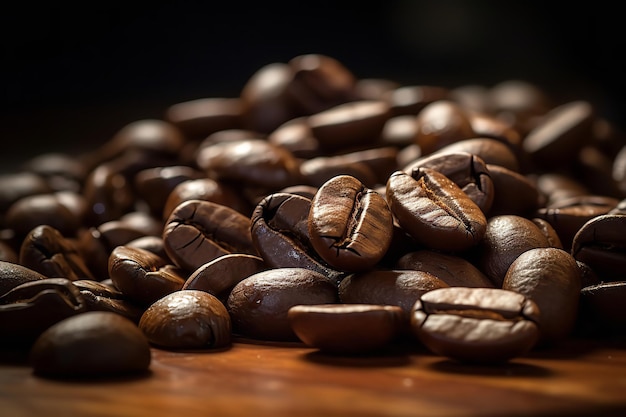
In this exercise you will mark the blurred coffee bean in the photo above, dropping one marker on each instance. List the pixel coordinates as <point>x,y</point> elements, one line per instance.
<point>94,344</point>
<point>442,123</point>
<point>201,117</point>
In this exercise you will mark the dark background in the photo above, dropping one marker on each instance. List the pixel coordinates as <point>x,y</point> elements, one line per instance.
<point>72,75</point>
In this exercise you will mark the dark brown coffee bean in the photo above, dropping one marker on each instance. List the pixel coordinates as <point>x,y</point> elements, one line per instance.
<point>201,117</point>
<point>319,83</point>
<point>30,308</point>
<point>506,238</point>
<point>142,276</point>
<point>108,194</point>
<point>600,243</point>
<point>467,171</point>
<point>484,325</point>
<point>557,187</point>
<point>488,126</point>
<point>259,304</point>
<point>14,186</point>
<point>551,278</point>
<point>347,328</point>
<point>434,210</point>
<point>254,162</point>
<point>558,138</point>
<point>388,287</point>
<point>281,235</point>
<point>94,344</point>
<point>187,319</point>
<point>48,252</point>
<point>296,136</point>
<point>357,123</point>
<point>411,99</point>
<point>554,241</point>
<point>451,269</point>
<point>265,100</point>
<point>519,102</point>
<point>400,131</point>
<point>220,275</point>
<point>491,151</point>
<point>13,274</point>
<point>316,171</point>
<point>199,231</point>
<point>63,172</point>
<point>514,193</point>
<point>350,225</point>
<point>205,189</point>
<point>442,123</point>
<point>101,297</point>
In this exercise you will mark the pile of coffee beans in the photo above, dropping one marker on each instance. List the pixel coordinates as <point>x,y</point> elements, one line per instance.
<point>347,214</point>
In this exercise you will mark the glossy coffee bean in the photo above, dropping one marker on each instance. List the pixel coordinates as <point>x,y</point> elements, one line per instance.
<point>281,235</point>
<point>143,276</point>
<point>467,171</point>
<point>296,136</point>
<point>506,238</point>
<point>199,118</point>
<point>48,252</point>
<point>552,279</point>
<point>491,151</point>
<point>484,325</point>
<point>451,269</point>
<point>94,344</point>
<point>13,274</point>
<point>220,275</point>
<point>259,304</point>
<point>254,162</point>
<point>199,231</point>
<point>513,192</point>
<point>347,328</point>
<point>600,244</point>
<point>187,319</point>
<point>434,210</point>
<point>101,297</point>
<point>442,123</point>
<point>388,287</point>
<point>350,225</point>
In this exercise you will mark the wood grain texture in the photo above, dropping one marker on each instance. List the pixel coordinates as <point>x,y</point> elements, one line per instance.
<point>580,378</point>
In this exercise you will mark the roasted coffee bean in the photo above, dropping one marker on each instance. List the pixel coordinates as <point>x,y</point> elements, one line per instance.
<point>513,192</point>
<point>451,269</point>
<point>357,123</point>
<point>400,131</point>
<point>152,244</point>
<point>484,325</point>
<point>434,210</point>
<point>441,123</point>
<point>265,100</point>
<point>552,279</point>
<point>63,172</point>
<point>154,185</point>
<point>101,297</point>
<point>467,171</point>
<point>600,244</point>
<point>554,240</point>
<point>94,344</point>
<point>108,194</point>
<point>14,186</point>
<point>296,136</point>
<point>319,83</point>
<point>48,252</point>
<point>519,102</point>
<point>281,235</point>
<point>199,231</point>
<point>350,225</point>
<point>411,99</point>
<point>316,171</point>
<point>29,212</point>
<point>568,215</point>
<point>388,287</point>
<point>558,138</point>
<point>142,276</point>
<point>486,125</point>
<point>199,118</point>
<point>506,238</point>
<point>220,275</point>
<point>491,151</point>
<point>13,274</point>
<point>187,319</point>
<point>259,304</point>
<point>30,308</point>
<point>253,162</point>
<point>347,328</point>
<point>557,187</point>
<point>206,189</point>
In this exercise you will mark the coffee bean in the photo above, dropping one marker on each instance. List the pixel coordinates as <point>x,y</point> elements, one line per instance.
<point>434,210</point>
<point>442,123</point>
<point>94,344</point>
<point>187,319</point>
<point>347,328</point>
<point>484,325</point>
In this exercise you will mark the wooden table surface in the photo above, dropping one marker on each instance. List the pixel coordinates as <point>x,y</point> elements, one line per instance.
<point>579,378</point>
